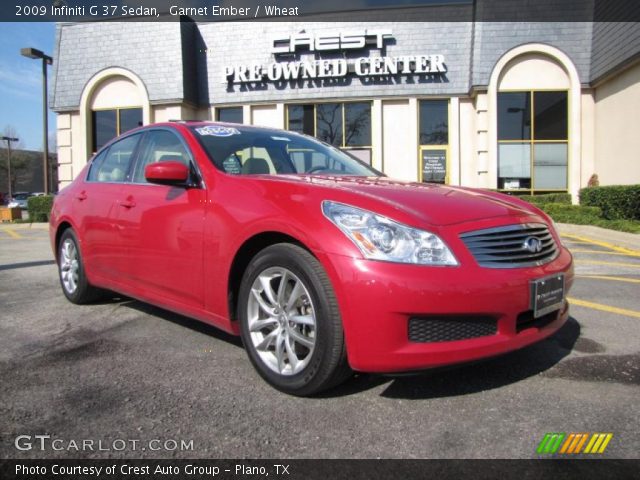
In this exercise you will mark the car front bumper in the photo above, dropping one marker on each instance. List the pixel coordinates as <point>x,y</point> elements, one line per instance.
<point>378,299</point>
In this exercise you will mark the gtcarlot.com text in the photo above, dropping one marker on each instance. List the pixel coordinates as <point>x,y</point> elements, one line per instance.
<point>45,442</point>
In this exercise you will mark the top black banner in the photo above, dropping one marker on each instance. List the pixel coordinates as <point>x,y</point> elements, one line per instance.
<point>324,10</point>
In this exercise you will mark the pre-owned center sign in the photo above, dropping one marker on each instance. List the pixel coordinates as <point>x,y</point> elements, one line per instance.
<point>336,67</point>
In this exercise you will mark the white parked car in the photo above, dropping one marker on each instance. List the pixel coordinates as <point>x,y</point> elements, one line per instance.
<point>19,200</point>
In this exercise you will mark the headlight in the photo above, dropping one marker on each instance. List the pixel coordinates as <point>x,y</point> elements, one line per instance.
<point>557,232</point>
<point>380,238</point>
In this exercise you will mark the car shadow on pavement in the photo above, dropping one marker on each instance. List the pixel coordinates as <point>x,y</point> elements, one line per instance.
<point>38,263</point>
<point>442,382</point>
<point>177,319</point>
<point>470,378</point>
<point>489,374</point>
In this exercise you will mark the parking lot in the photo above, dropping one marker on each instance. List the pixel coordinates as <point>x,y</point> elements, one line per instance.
<point>122,369</point>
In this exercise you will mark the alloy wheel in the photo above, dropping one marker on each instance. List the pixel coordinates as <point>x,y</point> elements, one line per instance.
<point>69,266</point>
<point>281,321</point>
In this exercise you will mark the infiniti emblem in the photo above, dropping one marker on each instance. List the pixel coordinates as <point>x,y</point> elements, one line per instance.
<point>532,244</point>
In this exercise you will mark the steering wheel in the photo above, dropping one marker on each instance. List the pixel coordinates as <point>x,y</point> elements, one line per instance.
<point>319,168</point>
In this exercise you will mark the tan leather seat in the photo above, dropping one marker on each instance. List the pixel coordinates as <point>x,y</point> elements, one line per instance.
<point>255,166</point>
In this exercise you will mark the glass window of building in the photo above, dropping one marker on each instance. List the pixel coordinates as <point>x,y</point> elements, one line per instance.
<point>302,119</point>
<point>532,140</point>
<point>344,125</point>
<point>434,122</point>
<point>108,124</point>
<point>434,141</point>
<point>229,115</point>
<point>329,123</point>
<point>514,116</point>
<point>357,129</point>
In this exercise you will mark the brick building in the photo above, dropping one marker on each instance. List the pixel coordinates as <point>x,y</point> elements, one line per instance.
<point>517,106</point>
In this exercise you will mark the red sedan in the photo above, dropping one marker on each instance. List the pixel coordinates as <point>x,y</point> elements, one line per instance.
<point>322,265</point>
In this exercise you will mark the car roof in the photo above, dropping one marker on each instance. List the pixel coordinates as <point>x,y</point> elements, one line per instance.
<point>204,123</point>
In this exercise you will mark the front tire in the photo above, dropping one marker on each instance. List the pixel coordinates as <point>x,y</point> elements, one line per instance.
<point>290,321</point>
<point>73,278</point>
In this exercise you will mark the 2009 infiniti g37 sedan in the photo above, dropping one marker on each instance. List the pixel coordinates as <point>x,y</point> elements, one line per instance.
<point>320,263</point>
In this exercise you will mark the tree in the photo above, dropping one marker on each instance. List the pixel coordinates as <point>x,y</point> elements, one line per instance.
<point>53,142</point>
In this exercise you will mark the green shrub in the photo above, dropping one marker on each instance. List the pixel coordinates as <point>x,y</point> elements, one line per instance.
<point>564,198</point>
<point>39,208</point>
<point>631,226</point>
<point>576,214</point>
<point>581,215</point>
<point>617,202</point>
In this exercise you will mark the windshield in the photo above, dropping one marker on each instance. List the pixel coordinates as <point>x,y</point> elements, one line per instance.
<point>249,151</point>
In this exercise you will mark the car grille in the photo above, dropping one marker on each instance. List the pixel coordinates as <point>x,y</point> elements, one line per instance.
<point>506,247</point>
<point>449,329</point>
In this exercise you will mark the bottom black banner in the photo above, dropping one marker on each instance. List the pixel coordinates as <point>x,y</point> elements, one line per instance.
<point>313,469</point>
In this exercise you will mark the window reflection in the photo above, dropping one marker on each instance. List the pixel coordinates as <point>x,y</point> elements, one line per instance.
<point>301,119</point>
<point>533,155</point>
<point>434,122</point>
<point>329,123</point>
<point>344,125</point>
<point>550,115</point>
<point>130,118</point>
<point>105,127</point>
<point>357,130</point>
<point>230,115</point>
<point>514,116</point>
<point>108,124</point>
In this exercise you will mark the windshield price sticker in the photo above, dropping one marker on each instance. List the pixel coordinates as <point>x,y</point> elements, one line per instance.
<point>217,131</point>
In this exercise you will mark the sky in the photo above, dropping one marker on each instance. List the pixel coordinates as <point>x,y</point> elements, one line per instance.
<point>21,81</point>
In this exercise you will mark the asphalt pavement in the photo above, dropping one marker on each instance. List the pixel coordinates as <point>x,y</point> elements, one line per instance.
<point>124,372</point>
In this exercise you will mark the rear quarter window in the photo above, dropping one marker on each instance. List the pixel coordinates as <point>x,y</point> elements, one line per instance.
<point>95,166</point>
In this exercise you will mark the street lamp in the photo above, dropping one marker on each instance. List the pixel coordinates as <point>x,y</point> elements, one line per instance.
<point>9,140</point>
<point>46,60</point>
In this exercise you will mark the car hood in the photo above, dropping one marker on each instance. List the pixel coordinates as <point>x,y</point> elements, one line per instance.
<point>432,203</point>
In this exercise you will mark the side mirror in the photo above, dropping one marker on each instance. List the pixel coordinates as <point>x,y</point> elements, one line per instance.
<point>170,172</point>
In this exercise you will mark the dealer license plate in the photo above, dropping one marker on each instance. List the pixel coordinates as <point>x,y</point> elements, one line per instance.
<point>547,294</point>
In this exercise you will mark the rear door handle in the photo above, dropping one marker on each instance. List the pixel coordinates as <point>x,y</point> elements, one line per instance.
<point>128,203</point>
<point>81,196</point>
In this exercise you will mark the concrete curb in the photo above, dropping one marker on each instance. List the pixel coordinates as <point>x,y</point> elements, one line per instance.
<point>26,226</point>
<point>621,239</point>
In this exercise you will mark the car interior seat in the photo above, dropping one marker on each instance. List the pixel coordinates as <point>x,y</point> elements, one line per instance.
<point>117,174</point>
<point>255,166</point>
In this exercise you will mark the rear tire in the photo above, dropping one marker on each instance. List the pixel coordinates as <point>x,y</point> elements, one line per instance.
<point>290,321</point>
<point>71,272</point>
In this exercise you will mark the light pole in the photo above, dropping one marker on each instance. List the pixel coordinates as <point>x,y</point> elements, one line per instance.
<point>9,140</point>
<point>46,60</point>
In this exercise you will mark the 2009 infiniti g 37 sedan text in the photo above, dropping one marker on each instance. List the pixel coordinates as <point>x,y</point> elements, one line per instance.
<point>321,264</point>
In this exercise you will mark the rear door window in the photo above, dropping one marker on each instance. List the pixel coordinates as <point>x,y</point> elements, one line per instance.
<point>115,166</point>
